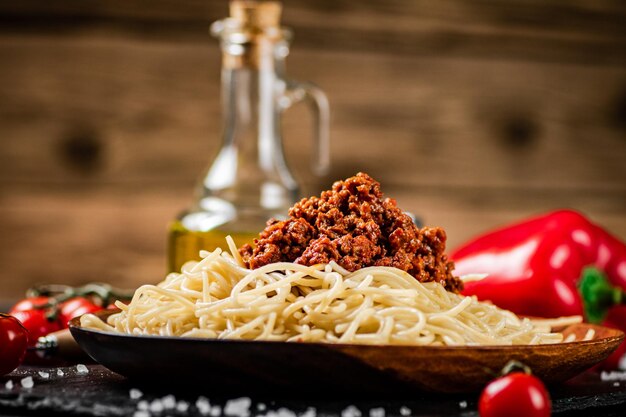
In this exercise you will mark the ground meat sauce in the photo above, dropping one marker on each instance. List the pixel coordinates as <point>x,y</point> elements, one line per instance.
<point>354,226</point>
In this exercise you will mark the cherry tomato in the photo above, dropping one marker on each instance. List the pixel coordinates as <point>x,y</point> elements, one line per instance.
<point>37,323</point>
<point>31,303</point>
<point>13,343</point>
<point>75,307</point>
<point>34,318</point>
<point>515,395</point>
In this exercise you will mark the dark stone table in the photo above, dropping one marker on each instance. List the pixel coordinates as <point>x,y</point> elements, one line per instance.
<point>100,392</point>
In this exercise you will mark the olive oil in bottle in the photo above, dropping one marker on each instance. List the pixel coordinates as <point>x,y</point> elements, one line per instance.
<point>185,244</point>
<point>248,181</point>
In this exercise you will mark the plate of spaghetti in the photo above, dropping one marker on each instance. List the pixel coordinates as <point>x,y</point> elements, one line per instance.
<point>346,293</point>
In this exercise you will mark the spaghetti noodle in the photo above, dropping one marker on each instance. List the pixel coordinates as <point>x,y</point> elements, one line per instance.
<point>218,297</point>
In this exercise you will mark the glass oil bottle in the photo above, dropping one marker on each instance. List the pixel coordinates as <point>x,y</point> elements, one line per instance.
<point>249,181</point>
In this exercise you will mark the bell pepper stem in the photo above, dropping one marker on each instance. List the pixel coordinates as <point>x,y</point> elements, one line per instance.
<point>598,294</point>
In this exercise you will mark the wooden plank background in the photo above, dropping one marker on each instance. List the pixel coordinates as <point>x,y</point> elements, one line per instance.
<point>471,114</point>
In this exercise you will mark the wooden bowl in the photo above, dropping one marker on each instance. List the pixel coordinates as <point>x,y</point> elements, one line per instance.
<point>268,366</point>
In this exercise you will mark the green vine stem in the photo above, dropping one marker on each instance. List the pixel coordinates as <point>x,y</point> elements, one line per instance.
<point>100,293</point>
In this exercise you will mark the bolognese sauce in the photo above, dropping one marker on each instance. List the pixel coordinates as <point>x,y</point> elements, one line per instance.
<point>353,225</point>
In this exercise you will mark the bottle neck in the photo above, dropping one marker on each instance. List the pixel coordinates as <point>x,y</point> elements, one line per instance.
<point>250,169</point>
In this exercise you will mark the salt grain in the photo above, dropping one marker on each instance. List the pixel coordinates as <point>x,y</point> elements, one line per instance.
<point>135,394</point>
<point>60,372</point>
<point>405,411</point>
<point>351,411</point>
<point>261,407</point>
<point>216,410</point>
<point>310,412</point>
<point>141,413</point>
<point>613,376</point>
<point>143,405</point>
<point>285,412</point>
<point>9,384</point>
<point>616,384</point>
<point>377,412</point>
<point>27,382</point>
<point>203,405</point>
<point>169,402</point>
<point>44,375</point>
<point>182,406</point>
<point>156,406</point>
<point>238,407</point>
<point>82,369</point>
<point>463,404</point>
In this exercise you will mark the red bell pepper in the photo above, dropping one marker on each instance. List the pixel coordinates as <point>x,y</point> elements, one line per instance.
<point>557,264</point>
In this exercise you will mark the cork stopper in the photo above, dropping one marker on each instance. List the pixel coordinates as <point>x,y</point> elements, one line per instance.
<point>257,16</point>
<point>250,34</point>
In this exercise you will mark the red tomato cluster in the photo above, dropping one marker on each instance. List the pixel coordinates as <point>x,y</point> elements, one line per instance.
<point>40,321</point>
<point>48,308</point>
<point>32,318</point>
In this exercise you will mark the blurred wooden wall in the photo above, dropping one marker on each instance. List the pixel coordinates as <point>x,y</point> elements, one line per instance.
<point>471,113</point>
